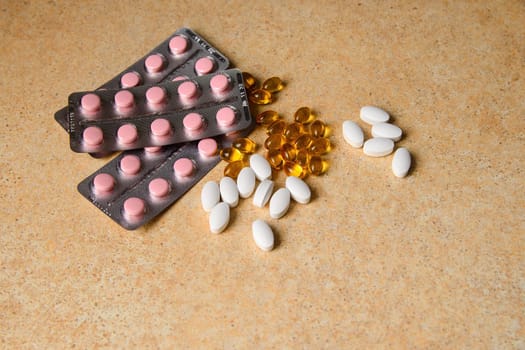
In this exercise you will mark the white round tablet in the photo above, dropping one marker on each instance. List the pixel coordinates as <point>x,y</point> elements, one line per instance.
<point>372,115</point>
<point>299,190</point>
<point>378,147</point>
<point>229,192</point>
<point>219,217</point>
<point>387,130</point>
<point>279,203</point>
<point>401,162</point>
<point>246,182</point>
<point>263,193</point>
<point>260,167</point>
<point>353,134</point>
<point>262,235</point>
<point>210,195</point>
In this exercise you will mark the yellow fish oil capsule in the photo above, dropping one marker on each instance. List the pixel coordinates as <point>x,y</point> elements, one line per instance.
<point>249,81</point>
<point>234,168</point>
<point>245,145</point>
<point>260,96</point>
<point>267,117</point>
<point>273,84</point>
<point>274,141</point>
<point>277,127</point>
<point>317,165</point>
<point>288,152</point>
<point>294,169</point>
<point>303,141</point>
<point>302,157</point>
<point>230,154</point>
<point>319,146</point>
<point>293,131</point>
<point>303,115</point>
<point>317,128</point>
<point>275,159</point>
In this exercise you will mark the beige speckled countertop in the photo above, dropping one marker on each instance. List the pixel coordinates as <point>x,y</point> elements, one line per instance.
<point>434,260</point>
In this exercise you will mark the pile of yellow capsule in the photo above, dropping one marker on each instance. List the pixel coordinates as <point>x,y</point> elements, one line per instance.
<point>296,147</point>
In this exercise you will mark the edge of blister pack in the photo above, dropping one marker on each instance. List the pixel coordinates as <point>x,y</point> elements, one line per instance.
<point>176,65</point>
<point>141,116</point>
<point>160,166</point>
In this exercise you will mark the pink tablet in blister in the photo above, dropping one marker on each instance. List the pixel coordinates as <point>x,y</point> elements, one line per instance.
<point>103,183</point>
<point>161,114</point>
<point>155,95</point>
<point>174,57</point>
<point>130,164</point>
<point>220,83</point>
<point>162,178</point>
<point>124,99</point>
<point>160,127</point>
<point>154,63</point>
<point>208,147</point>
<point>90,103</point>
<point>204,65</point>
<point>129,79</point>
<point>93,136</point>
<point>159,187</point>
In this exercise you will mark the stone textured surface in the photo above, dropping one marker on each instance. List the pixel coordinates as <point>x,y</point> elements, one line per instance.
<point>435,260</point>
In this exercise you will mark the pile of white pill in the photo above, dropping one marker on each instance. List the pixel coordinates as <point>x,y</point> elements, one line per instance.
<point>384,135</point>
<point>219,198</point>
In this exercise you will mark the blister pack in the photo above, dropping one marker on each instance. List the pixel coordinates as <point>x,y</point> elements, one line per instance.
<point>184,54</point>
<point>180,111</point>
<point>138,185</point>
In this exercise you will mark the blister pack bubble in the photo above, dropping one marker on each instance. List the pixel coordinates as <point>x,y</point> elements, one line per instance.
<point>184,54</point>
<point>176,112</point>
<point>138,185</point>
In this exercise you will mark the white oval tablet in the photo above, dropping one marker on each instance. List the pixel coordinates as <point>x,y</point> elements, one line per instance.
<point>378,147</point>
<point>262,235</point>
<point>229,192</point>
<point>299,190</point>
<point>263,193</point>
<point>246,182</point>
<point>372,115</point>
<point>353,134</point>
<point>401,162</point>
<point>387,131</point>
<point>219,217</point>
<point>279,203</point>
<point>210,195</point>
<point>260,167</point>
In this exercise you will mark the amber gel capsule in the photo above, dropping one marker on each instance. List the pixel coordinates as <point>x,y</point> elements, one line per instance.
<point>245,145</point>
<point>303,115</point>
<point>274,141</point>
<point>317,165</point>
<point>275,159</point>
<point>293,131</point>
<point>249,81</point>
<point>317,128</point>
<point>294,169</point>
<point>302,158</point>
<point>230,154</point>
<point>273,84</point>
<point>319,146</point>
<point>267,117</point>
<point>303,141</point>
<point>288,152</point>
<point>277,127</point>
<point>260,96</point>
<point>234,168</point>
